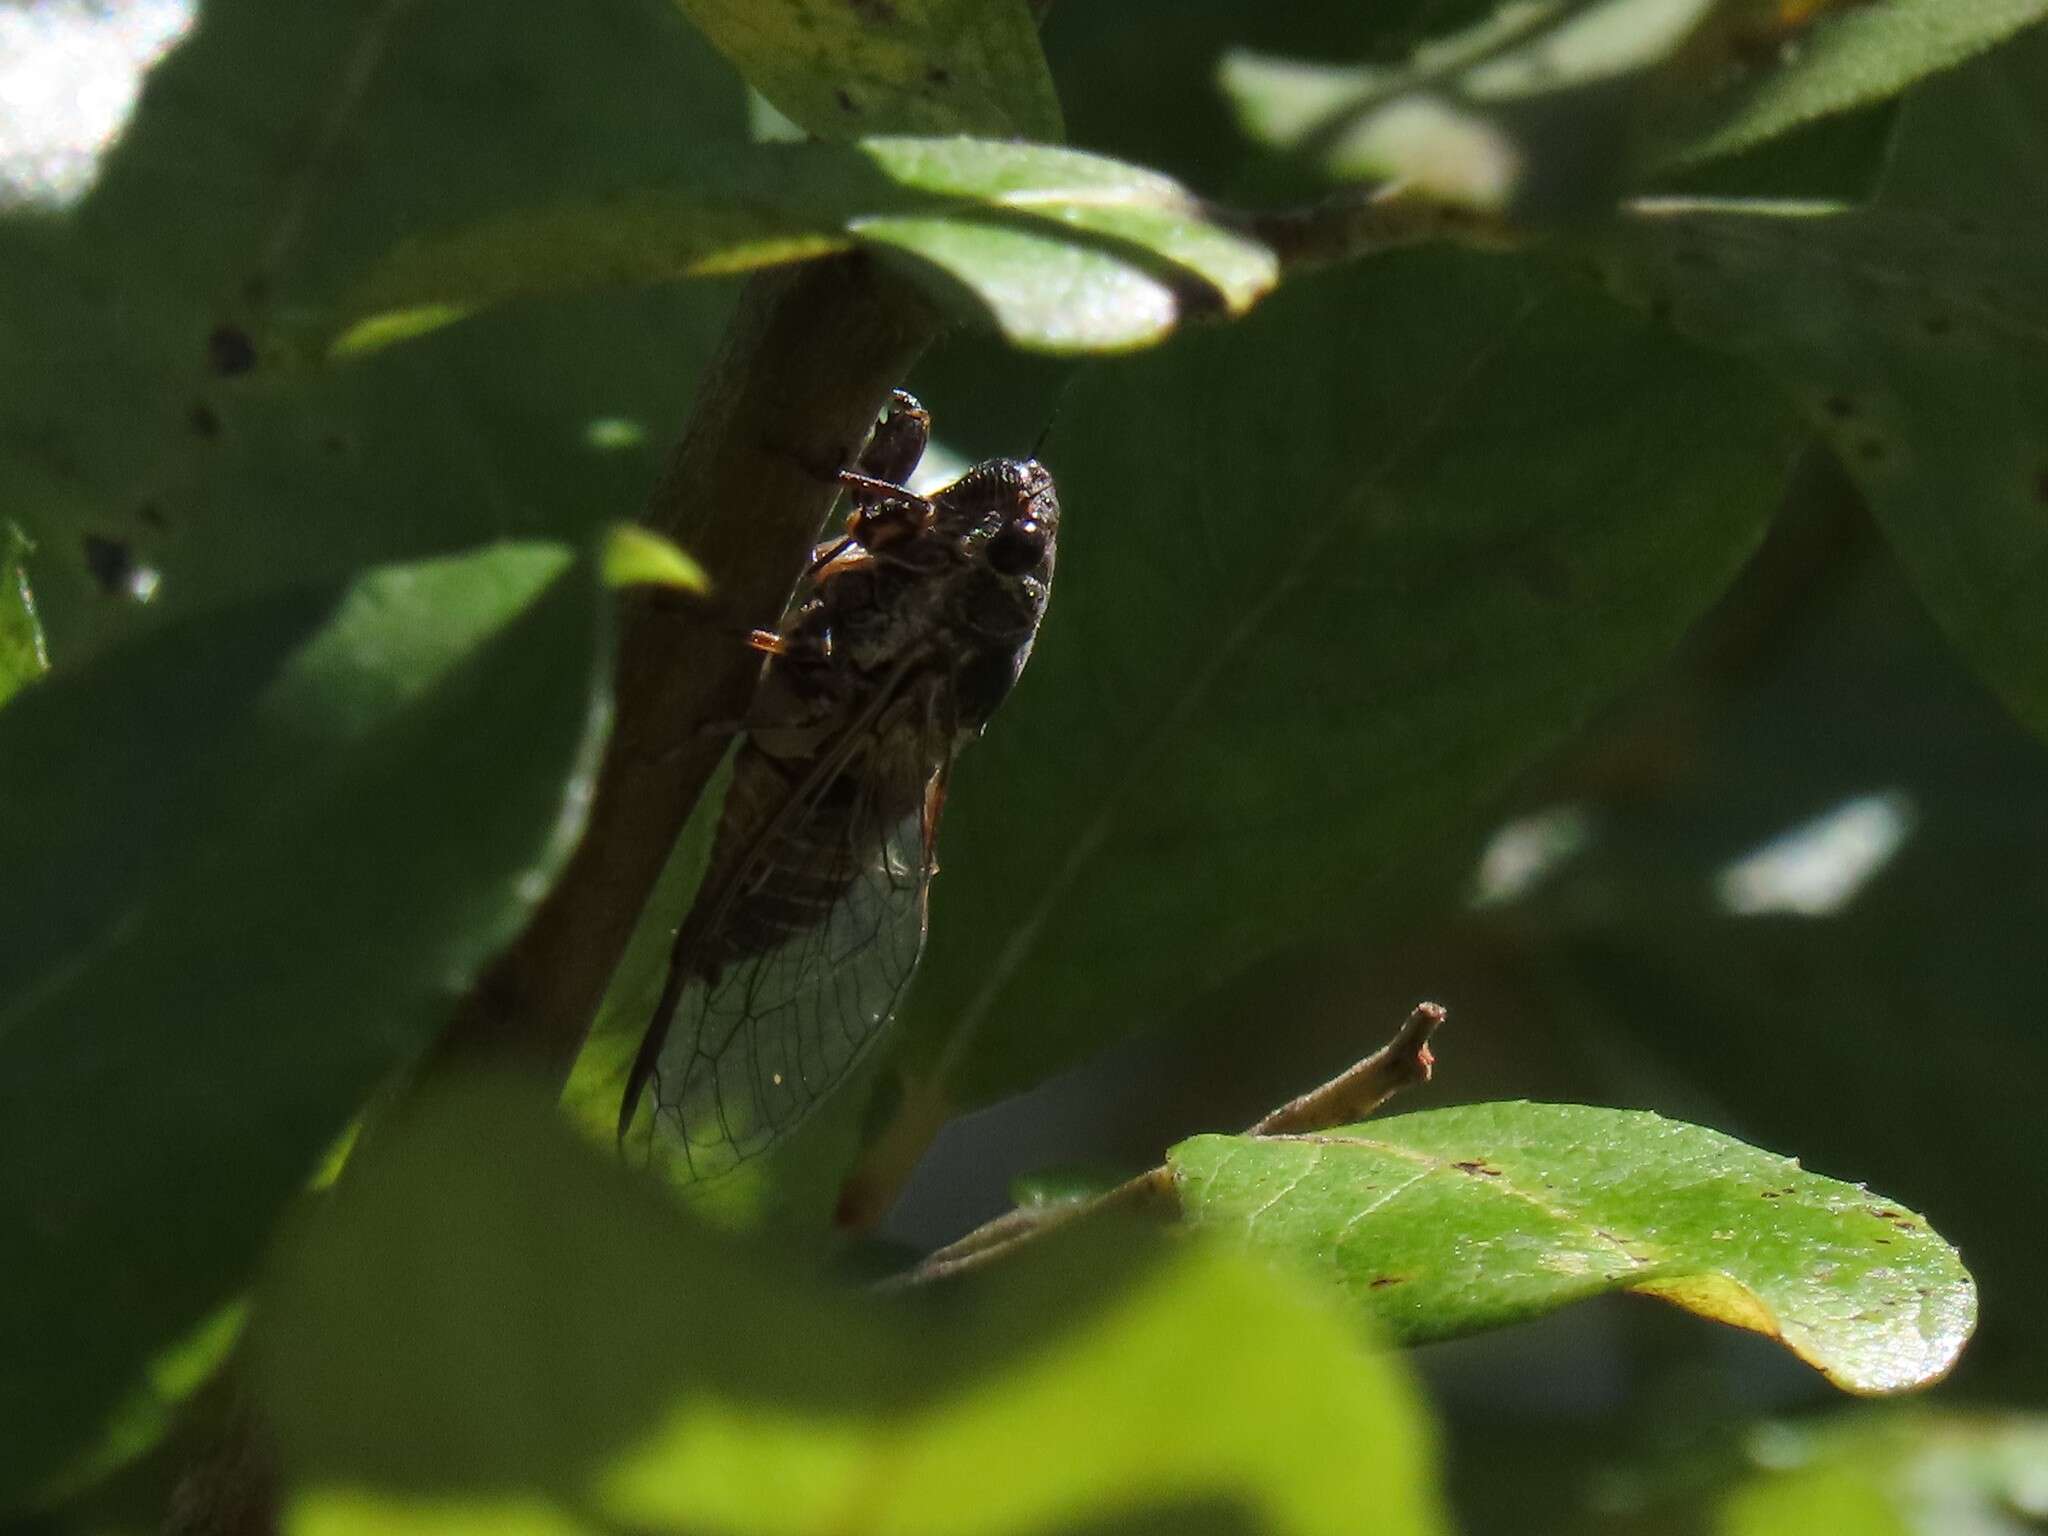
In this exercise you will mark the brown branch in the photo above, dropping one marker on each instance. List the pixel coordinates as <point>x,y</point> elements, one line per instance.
<point>806,363</point>
<point>1402,1062</point>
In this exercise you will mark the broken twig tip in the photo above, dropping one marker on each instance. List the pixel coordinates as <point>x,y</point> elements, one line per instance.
<point>1423,1022</point>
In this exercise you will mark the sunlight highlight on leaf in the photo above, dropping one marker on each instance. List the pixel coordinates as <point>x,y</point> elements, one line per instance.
<point>1815,870</point>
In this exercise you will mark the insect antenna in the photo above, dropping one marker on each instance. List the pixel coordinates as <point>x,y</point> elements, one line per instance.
<point>1059,401</point>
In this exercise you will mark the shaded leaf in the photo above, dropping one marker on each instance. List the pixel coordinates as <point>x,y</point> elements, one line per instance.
<point>1327,580</point>
<point>681,1382</point>
<point>274,154</point>
<point>1456,1220</point>
<point>1059,250</point>
<point>252,861</point>
<point>1918,346</point>
<point>846,69</point>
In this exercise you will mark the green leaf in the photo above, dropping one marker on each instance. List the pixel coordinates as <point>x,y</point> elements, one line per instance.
<point>1531,112</point>
<point>680,1382</point>
<point>847,70</point>
<point>23,657</point>
<point>1918,346</point>
<point>1852,54</point>
<point>1548,110</point>
<point>1899,1473</point>
<point>1456,1220</point>
<point>253,858</point>
<point>273,156</point>
<point>1819,1499</point>
<point>1059,250</point>
<point>1328,580</point>
<point>637,556</point>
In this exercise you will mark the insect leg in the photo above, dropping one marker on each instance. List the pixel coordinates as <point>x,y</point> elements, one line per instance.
<point>884,509</point>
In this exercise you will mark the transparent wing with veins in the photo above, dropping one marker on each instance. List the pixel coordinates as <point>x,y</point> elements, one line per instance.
<point>757,1040</point>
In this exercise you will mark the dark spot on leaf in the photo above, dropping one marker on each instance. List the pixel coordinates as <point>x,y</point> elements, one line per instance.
<point>229,351</point>
<point>1841,407</point>
<point>1968,226</point>
<point>255,288</point>
<point>938,75</point>
<point>1476,1167</point>
<point>1772,1194</point>
<point>1882,1242</point>
<point>1938,325</point>
<point>2041,487</point>
<point>1692,256</point>
<point>1885,1213</point>
<point>1870,451</point>
<point>202,420</point>
<point>1660,309</point>
<point>112,564</point>
<point>1381,1282</point>
<point>876,12</point>
<point>152,514</point>
<point>845,101</point>
<point>333,443</point>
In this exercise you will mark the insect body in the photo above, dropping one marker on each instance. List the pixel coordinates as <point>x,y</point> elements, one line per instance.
<point>909,631</point>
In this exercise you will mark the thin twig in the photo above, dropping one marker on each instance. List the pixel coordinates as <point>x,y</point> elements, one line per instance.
<point>1366,222</point>
<point>1402,1062</point>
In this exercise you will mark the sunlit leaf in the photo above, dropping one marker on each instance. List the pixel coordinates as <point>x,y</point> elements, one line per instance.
<point>1551,108</point>
<point>1455,1220</point>
<point>678,1382</point>
<point>637,556</point>
<point>23,657</point>
<point>1058,250</point>
<point>1532,111</point>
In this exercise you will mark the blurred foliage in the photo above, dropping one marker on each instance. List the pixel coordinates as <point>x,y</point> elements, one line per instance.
<point>683,1383</point>
<point>1537,626</point>
<point>188,1027</point>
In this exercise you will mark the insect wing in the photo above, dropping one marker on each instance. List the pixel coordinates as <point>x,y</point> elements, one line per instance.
<point>752,1050</point>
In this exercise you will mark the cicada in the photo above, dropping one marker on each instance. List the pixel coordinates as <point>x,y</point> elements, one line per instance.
<point>906,634</point>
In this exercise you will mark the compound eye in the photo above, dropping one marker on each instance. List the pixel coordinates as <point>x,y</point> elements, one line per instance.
<point>1018,547</point>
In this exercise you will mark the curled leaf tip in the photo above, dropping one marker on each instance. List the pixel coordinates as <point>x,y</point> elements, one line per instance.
<point>636,556</point>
